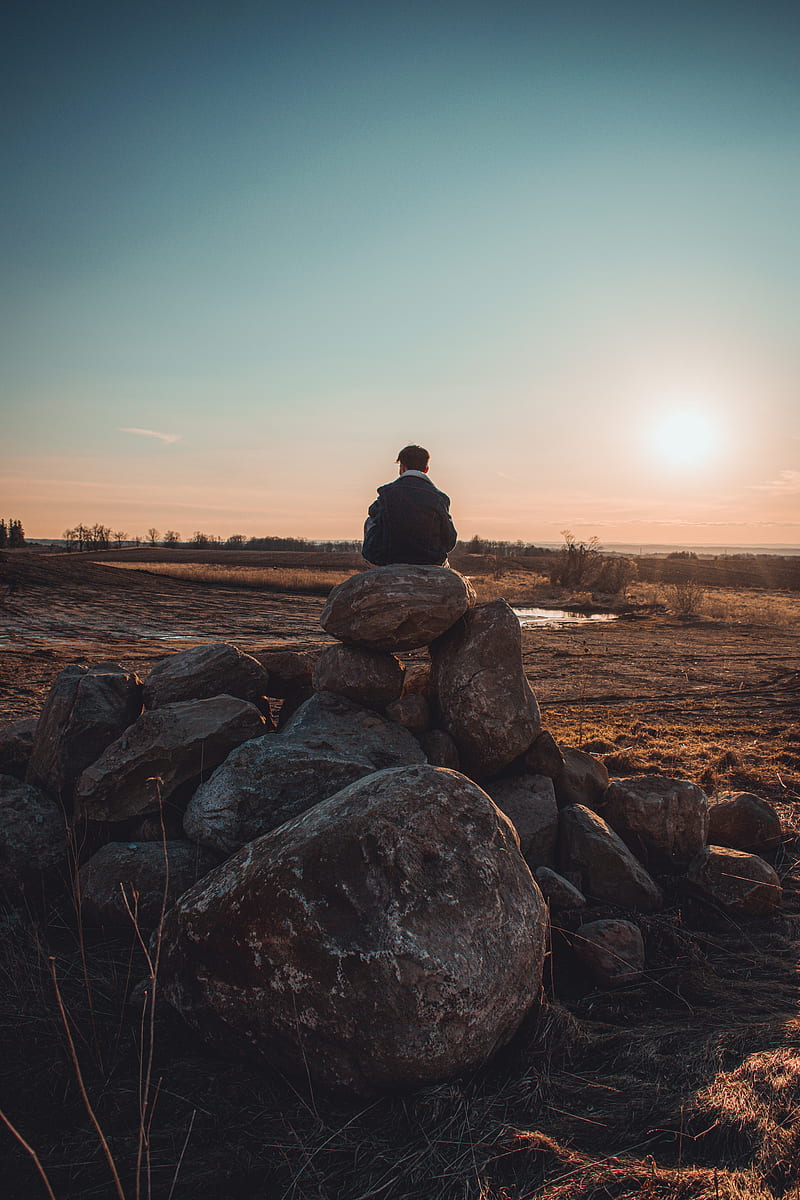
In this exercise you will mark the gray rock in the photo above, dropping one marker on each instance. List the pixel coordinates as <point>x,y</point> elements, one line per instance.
<point>329,744</point>
<point>389,937</point>
<point>413,712</point>
<point>260,786</point>
<point>613,950</point>
<point>85,711</point>
<point>743,821</point>
<point>33,836</point>
<point>486,703</point>
<point>440,749</point>
<point>600,864</point>
<point>165,749</point>
<point>371,678</point>
<point>148,875</point>
<point>398,607</point>
<point>335,724</point>
<point>663,821</point>
<point>739,882</point>
<point>204,671</point>
<point>529,802</point>
<point>583,779</point>
<point>559,893</point>
<point>16,744</point>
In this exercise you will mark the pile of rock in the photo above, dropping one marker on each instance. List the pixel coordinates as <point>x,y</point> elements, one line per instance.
<point>361,892</point>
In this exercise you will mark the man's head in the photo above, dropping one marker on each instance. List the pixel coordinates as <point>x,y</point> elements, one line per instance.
<point>413,458</point>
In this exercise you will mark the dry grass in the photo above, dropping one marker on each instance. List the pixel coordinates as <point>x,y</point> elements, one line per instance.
<point>309,581</point>
<point>750,606</point>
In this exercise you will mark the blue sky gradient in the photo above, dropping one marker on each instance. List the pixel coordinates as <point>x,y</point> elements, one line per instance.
<point>291,239</point>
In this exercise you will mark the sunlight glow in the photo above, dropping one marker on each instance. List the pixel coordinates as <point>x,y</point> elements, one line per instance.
<point>685,437</point>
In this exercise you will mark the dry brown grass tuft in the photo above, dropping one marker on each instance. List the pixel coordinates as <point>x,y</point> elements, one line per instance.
<point>309,581</point>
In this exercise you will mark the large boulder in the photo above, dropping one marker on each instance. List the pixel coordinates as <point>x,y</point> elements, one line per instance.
<point>389,937</point>
<point>264,783</point>
<point>529,802</point>
<point>86,709</point>
<point>743,822</point>
<point>127,882</point>
<point>399,607</point>
<point>486,703</point>
<point>663,821</point>
<point>205,671</point>
<point>613,950</point>
<point>16,744</point>
<point>369,677</point>
<point>738,882</point>
<point>164,750</point>
<point>598,862</point>
<point>33,836</point>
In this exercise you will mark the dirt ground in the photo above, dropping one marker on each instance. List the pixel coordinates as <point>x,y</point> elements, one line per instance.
<point>715,700</point>
<point>682,1086</point>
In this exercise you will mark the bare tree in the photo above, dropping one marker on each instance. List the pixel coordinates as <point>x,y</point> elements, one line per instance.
<point>171,538</point>
<point>120,536</point>
<point>236,539</point>
<point>152,536</point>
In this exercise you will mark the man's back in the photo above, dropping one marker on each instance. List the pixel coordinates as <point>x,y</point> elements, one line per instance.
<point>409,523</point>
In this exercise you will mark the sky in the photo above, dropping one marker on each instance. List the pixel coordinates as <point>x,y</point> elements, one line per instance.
<point>250,250</point>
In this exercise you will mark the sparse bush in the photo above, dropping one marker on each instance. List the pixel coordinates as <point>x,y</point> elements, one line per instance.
<point>615,574</point>
<point>685,598</point>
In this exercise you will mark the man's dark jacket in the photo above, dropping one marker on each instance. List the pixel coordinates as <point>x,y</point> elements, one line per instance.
<point>410,522</point>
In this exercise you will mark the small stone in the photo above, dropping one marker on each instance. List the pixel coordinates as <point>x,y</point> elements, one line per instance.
<point>739,882</point>
<point>583,779</point>
<point>413,712</point>
<point>558,891</point>
<point>613,950</point>
<point>368,677</point>
<point>601,865</point>
<point>440,749</point>
<point>204,671</point>
<point>743,821</point>
<point>663,821</point>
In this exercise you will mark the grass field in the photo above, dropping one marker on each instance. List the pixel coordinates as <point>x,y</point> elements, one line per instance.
<point>684,1086</point>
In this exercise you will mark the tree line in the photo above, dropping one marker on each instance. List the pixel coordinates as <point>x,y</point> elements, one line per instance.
<point>12,535</point>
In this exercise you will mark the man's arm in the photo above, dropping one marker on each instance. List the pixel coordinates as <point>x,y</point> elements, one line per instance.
<point>372,548</point>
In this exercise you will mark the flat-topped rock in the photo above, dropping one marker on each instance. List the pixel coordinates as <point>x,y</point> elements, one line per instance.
<point>529,802</point>
<point>663,821</point>
<point>166,748</point>
<point>388,938</point>
<point>399,607</point>
<point>205,671</point>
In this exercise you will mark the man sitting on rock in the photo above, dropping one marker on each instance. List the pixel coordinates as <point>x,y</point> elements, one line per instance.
<point>410,521</point>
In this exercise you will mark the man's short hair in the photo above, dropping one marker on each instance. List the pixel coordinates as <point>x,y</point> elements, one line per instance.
<point>414,458</point>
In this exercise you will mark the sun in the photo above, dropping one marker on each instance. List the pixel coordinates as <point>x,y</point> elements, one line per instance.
<point>685,436</point>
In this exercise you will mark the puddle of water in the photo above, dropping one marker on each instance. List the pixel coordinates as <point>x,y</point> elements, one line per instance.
<point>553,618</point>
